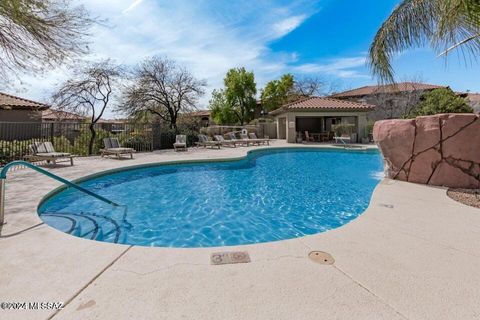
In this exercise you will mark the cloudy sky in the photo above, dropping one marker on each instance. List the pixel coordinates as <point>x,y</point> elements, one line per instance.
<point>324,38</point>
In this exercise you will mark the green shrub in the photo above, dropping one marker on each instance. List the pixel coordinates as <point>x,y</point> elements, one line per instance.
<point>80,145</point>
<point>62,144</point>
<point>442,100</point>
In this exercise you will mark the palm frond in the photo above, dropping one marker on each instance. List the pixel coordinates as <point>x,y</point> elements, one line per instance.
<point>444,25</point>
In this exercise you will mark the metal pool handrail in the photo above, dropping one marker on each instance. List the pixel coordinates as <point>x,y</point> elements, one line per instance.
<point>3,178</point>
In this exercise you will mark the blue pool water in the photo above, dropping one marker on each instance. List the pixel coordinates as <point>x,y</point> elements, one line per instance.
<point>268,196</point>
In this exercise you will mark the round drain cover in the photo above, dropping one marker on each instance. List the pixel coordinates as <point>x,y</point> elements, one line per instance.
<point>321,257</point>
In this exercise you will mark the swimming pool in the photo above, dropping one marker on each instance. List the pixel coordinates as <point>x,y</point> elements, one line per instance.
<point>270,195</point>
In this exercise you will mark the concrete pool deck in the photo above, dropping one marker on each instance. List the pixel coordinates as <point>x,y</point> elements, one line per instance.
<point>413,254</point>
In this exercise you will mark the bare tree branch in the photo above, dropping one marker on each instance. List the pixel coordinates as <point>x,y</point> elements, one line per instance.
<point>38,35</point>
<point>89,92</point>
<point>163,88</point>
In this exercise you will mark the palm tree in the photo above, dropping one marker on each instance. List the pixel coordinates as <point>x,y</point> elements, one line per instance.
<point>445,25</point>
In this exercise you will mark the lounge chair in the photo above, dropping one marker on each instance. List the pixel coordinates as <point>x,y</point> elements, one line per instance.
<point>245,137</point>
<point>233,137</point>
<point>44,151</point>
<point>266,141</point>
<point>112,147</point>
<point>228,143</point>
<point>343,138</point>
<point>180,142</point>
<point>203,141</point>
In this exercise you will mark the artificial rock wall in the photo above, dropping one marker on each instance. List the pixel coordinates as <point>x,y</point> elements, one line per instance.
<point>440,150</point>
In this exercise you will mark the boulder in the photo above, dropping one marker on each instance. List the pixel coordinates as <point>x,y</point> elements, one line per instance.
<point>441,150</point>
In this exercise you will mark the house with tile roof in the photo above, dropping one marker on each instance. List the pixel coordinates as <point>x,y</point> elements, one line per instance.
<point>317,115</point>
<point>391,101</point>
<point>396,100</point>
<point>390,88</point>
<point>473,100</point>
<point>52,115</point>
<point>16,109</point>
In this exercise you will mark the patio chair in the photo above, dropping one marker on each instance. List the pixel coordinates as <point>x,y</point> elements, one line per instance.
<point>308,137</point>
<point>44,151</point>
<point>113,147</point>
<point>203,141</point>
<point>228,143</point>
<point>233,137</point>
<point>245,137</point>
<point>253,135</point>
<point>180,142</point>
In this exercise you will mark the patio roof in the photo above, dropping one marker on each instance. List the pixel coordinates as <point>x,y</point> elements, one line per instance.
<point>10,102</point>
<point>323,104</point>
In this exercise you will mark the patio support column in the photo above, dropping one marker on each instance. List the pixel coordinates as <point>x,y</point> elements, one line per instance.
<point>278,127</point>
<point>361,126</point>
<point>291,130</point>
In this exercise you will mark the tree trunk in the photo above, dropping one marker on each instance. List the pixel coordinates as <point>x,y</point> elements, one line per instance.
<point>92,138</point>
<point>173,121</point>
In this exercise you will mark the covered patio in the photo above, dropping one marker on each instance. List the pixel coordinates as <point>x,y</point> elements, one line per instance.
<point>313,119</point>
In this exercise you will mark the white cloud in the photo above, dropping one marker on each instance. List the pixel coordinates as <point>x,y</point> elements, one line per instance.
<point>288,25</point>
<point>340,67</point>
<point>208,37</point>
<point>132,6</point>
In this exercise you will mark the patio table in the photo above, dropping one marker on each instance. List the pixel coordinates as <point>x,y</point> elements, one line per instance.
<point>320,136</point>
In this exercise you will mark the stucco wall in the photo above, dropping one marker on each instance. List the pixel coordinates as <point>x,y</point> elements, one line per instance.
<point>441,150</point>
<point>20,116</point>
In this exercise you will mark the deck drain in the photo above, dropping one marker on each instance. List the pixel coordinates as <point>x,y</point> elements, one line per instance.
<point>229,257</point>
<point>321,257</point>
<point>386,205</point>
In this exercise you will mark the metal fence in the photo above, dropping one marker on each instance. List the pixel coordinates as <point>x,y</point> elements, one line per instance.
<point>16,137</point>
<point>74,137</point>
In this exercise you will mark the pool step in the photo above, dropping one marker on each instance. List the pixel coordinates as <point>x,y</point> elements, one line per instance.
<point>87,225</point>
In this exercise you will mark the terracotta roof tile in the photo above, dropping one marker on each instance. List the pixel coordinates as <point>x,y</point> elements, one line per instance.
<point>399,87</point>
<point>323,103</point>
<point>52,114</point>
<point>8,101</point>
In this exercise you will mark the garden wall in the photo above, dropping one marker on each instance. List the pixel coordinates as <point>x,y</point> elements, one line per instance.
<point>440,150</point>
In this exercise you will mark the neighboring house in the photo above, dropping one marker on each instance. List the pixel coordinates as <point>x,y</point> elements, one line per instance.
<point>201,118</point>
<point>16,109</point>
<point>317,115</point>
<point>390,101</point>
<point>473,101</point>
<point>52,115</point>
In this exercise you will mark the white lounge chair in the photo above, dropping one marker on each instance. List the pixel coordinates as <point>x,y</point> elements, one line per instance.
<point>253,135</point>
<point>203,141</point>
<point>245,137</point>
<point>112,147</point>
<point>180,142</point>
<point>233,137</point>
<point>44,151</point>
<point>228,143</point>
